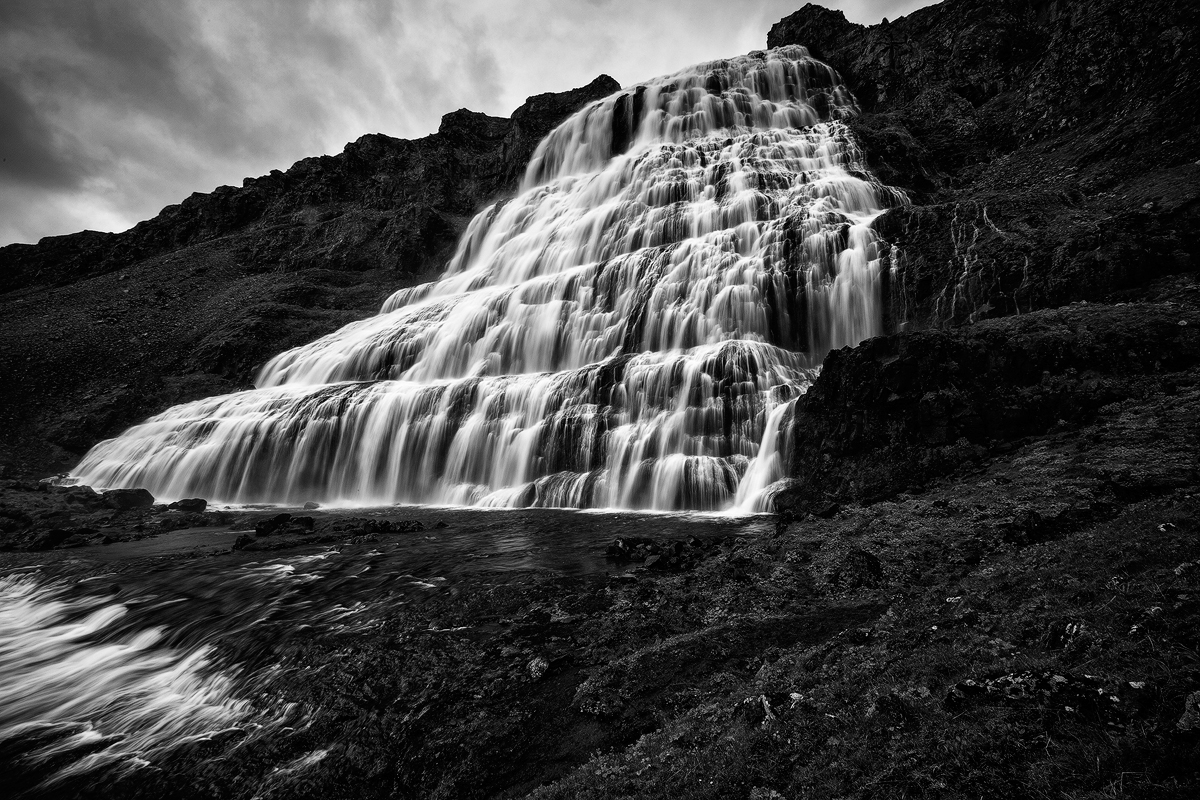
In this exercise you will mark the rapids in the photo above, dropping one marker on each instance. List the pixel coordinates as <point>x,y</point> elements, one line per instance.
<point>139,654</point>
<point>629,331</point>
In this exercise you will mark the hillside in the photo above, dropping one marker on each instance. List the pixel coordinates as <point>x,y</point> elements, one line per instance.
<point>102,330</point>
<point>983,581</point>
<point>1050,148</point>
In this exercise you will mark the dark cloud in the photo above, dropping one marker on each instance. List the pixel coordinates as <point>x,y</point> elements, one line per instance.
<point>116,108</point>
<point>31,152</point>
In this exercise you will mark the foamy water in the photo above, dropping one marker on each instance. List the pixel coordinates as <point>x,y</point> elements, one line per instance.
<point>88,692</point>
<point>621,334</point>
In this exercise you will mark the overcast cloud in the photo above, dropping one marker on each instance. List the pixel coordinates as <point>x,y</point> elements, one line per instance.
<point>112,109</point>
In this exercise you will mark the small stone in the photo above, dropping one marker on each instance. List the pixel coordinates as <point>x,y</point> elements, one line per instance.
<point>193,505</point>
<point>538,667</point>
<point>310,505</point>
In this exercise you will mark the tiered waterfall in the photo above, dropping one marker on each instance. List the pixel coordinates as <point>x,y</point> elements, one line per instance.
<point>629,331</point>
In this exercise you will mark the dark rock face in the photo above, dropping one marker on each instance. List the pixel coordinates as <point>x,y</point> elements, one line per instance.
<point>102,330</point>
<point>128,498</point>
<point>1050,148</point>
<point>405,197</point>
<point>897,412</point>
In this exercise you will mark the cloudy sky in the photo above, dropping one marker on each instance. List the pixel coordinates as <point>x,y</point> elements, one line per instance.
<point>112,109</point>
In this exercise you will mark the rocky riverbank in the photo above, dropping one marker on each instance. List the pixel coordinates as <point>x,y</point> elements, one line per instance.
<point>935,613</point>
<point>984,579</point>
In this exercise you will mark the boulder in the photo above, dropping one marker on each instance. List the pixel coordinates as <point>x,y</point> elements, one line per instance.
<point>194,505</point>
<point>50,539</point>
<point>124,499</point>
<point>272,526</point>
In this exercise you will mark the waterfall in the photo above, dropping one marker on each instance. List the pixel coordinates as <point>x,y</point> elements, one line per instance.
<point>623,333</point>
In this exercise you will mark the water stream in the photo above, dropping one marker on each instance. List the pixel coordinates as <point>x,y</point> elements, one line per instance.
<point>121,658</point>
<point>627,332</point>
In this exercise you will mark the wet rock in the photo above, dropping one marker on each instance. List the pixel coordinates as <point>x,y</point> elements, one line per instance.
<point>977,110</point>
<point>190,505</point>
<point>125,499</point>
<point>84,496</point>
<point>53,538</point>
<point>272,526</point>
<point>900,411</point>
<point>311,506</point>
<point>243,542</point>
<point>368,526</point>
<point>663,555</point>
<point>178,521</point>
<point>50,539</point>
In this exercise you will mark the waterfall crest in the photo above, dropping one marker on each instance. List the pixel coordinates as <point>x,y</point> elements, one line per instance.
<point>628,331</point>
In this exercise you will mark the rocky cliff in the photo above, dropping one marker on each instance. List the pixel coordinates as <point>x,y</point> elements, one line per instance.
<point>984,582</point>
<point>1050,148</point>
<point>103,329</point>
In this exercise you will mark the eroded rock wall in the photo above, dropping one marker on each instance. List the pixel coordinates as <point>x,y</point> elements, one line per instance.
<point>1050,149</point>
<point>101,330</point>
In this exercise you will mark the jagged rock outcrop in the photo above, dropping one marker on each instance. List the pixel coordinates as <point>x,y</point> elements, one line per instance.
<point>408,200</point>
<point>1050,147</point>
<point>1051,150</point>
<point>898,412</point>
<point>102,329</point>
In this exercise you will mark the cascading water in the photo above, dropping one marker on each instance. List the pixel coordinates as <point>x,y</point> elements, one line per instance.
<point>78,695</point>
<point>629,331</point>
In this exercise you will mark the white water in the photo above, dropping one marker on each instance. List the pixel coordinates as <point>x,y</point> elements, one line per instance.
<point>91,695</point>
<point>623,333</point>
